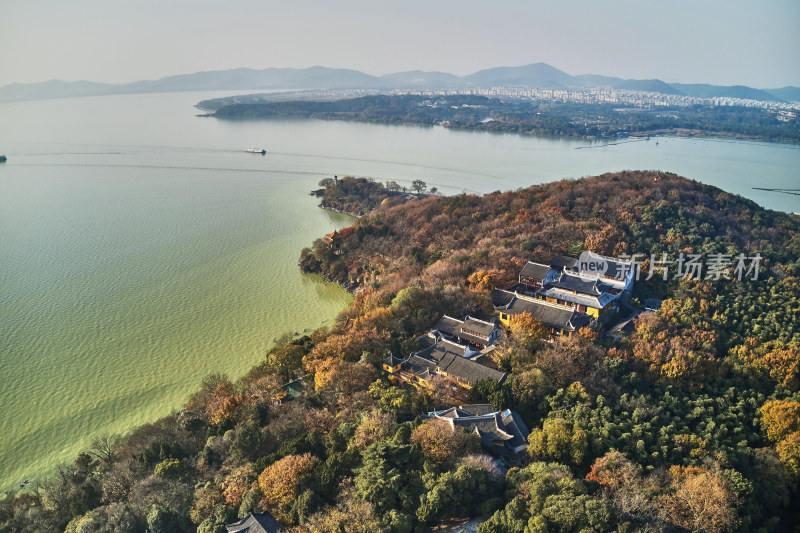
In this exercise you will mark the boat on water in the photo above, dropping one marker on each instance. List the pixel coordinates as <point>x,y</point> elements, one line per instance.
<point>261,151</point>
<point>3,159</point>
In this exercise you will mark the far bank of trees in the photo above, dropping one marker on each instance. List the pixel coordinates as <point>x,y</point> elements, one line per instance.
<point>531,117</point>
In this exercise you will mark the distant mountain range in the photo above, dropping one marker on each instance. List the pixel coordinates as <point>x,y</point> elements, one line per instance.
<point>537,75</point>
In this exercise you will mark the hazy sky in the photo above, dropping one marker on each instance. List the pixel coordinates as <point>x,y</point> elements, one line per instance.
<point>749,42</point>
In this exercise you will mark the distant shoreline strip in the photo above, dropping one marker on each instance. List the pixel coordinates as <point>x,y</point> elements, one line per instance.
<point>795,192</point>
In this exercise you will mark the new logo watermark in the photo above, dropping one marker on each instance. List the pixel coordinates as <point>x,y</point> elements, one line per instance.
<point>713,267</point>
<point>592,264</point>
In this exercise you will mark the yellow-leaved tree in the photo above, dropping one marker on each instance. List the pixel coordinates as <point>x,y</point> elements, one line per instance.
<point>441,443</point>
<point>524,325</point>
<point>781,421</point>
<point>280,481</point>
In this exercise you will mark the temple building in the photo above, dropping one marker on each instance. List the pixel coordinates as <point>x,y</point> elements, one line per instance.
<point>593,285</point>
<point>336,238</point>
<point>559,319</point>
<point>501,432</point>
<point>441,358</point>
<point>256,523</point>
<point>472,331</point>
<point>532,275</point>
<point>590,296</point>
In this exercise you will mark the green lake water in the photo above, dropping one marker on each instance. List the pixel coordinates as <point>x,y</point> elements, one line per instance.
<point>141,247</point>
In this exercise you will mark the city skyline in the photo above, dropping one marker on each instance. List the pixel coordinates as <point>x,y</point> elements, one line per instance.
<point>722,43</point>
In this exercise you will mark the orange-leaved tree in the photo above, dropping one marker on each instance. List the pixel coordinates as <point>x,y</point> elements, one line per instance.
<point>280,483</point>
<point>781,421</point>
<point>524,325</point>
<point>702,500</point>
<point>441,443</point>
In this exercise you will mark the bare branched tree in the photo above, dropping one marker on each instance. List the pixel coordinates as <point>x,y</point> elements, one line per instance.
<point>103,447</point>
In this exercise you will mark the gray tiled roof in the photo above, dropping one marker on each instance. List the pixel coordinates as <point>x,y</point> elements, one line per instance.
<point>441,348</point>
<point>479,326</point>
<point>501,298</point>
<point>534,270</point>
<point>256,523</point>
<point>449,326</point>
<point>477,409</point>
<point>470,330</point>
<point>487,426</point>
<point>426,341</point>
<point>572,282</point>
<point>579,320</point>
<point>453,412</point>
<point>498,427</point>
<point>469,371</point>
<point>598,302</point>
<point>514,425</point>
<point>419,365</point>
<point>562,261</point>
<point>552,315</point>
<point>492,426</point>
<point>449,358</point>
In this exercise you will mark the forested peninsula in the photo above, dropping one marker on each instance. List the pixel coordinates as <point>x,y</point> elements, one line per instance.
<point>479,113</point>
<point>687,420</point>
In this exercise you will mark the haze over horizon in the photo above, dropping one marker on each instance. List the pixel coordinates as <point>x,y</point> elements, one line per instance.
<point>717,42</point>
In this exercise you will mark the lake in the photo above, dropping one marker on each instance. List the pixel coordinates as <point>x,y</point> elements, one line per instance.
<point>141,247</point>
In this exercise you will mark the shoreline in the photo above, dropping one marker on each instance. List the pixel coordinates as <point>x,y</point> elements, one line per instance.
<point>667,134</point>
<point>529,118</point>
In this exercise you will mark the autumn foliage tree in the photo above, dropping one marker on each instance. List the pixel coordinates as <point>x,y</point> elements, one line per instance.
<point>781,421</point>
<point>789,453</point>
<point>523,325</point>
<point>340,379</point>
<point>266,390</point>
<point>441,443</point>
<point>348,346</point>
<point>236,484</point>
<point>568,359</point>
<point>690,498</point>
<point>682,357</point>
<point>216,401</point>
<point>780,418</point>
<point>223,405</point>
<point>280,483</point>
<point>693,416</point>
<point>701,500</point>
<point>778,360</point>
<point>374,426</point>
<point>614,471</point>
<point>482,280</point>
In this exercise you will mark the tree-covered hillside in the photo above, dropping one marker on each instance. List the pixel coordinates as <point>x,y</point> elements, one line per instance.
<point>531,117</point>
<point>688,422</point>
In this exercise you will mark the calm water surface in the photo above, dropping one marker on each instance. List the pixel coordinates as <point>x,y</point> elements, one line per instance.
<point>141,248</point>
